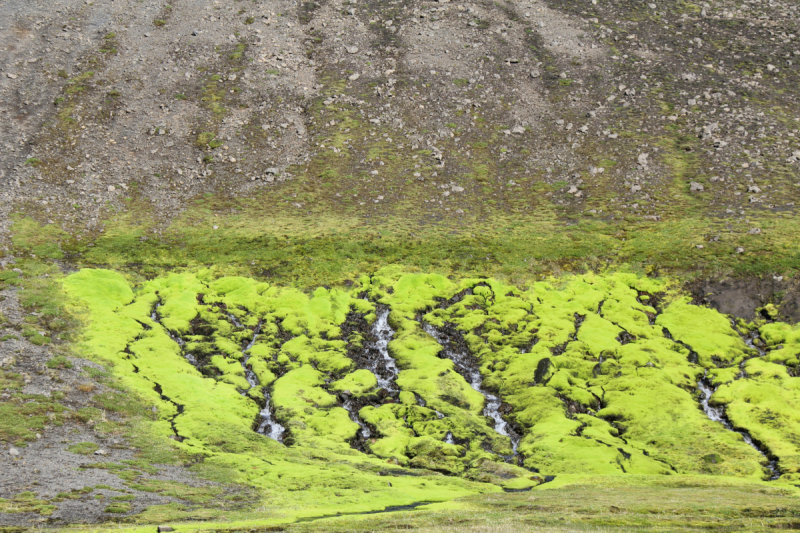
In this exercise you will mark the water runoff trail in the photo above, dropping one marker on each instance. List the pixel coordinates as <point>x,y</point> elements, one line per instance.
<point>267,424</point>
<point>717,414</point>
<point>381,364</point>
<point>470,372</point>
<point>155,318</point>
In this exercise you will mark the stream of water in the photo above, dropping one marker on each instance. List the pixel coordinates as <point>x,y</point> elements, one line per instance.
<point>154,317</point>
<point>473,376</point>
<point>717,414</point>
<point>383,333</point>
<point>268,425</point>
<point>381,364</point>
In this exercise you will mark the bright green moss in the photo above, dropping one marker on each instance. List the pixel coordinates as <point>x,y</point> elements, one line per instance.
<point>360,382</point>
<point>583,366</point>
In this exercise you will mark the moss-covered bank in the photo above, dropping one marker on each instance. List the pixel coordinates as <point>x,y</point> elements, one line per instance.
<point>598,375</point>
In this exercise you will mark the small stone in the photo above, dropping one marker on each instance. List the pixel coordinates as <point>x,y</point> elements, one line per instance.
<point>753,188</point>
<point>100,452</point>
<point>535,74</point>
<point>216,227</point>
<point>518,129</point>
<point>164,529</point>
<point>642,160</point>
<point>696,187</point>
<point>354,76</point>
<point>271,170</point>
<point>754,231</point>
<point>699,246</point>
<point>12,76</point>
<point>739,250</point>
<point>111,188</point>
<point>13,452</point>
<point>351,49</point>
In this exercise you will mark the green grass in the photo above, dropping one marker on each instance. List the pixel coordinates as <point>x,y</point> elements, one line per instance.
<point>59,362</point>
<point>83,448</point>
<point>590,505</point>
<point>23,415</point>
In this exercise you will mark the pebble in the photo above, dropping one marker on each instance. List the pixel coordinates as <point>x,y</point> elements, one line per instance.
<point>354,77</point>
<point>352,49</point>
<point>696,187</point>
<point>111,188</point>
<point>13,452</point>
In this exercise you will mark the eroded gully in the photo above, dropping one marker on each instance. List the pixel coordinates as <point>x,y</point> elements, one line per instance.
<point>267,425</point>
<point>468,369</point>
<point>717,414</point>
<point>380,363</point>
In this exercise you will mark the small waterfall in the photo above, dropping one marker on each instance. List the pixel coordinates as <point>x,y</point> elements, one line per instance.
<point>384,367</point>
<point>249,375</point>
<point>473,376</point>
<point>353,411</point>
<point>380,363</point>
<point>448,439</point>
<point>717,414</point>
<point>267,425</point>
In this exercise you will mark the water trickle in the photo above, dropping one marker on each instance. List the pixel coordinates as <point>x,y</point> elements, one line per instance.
<point>179,341</point>
<point>249,375</point>
<point>717,414</point>
<point>352,409</point>
<point>448,439</point>
<point>380,363</point>
<point>753,340</point>
<point>473,376</point>
<point>267,425</point>
<point>383,366</point>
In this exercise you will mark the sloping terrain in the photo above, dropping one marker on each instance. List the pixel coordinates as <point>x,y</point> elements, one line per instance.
<point>266,262</point>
